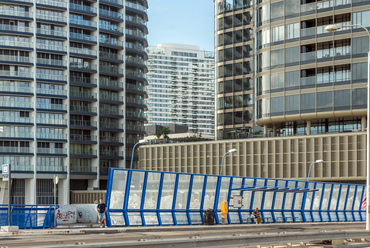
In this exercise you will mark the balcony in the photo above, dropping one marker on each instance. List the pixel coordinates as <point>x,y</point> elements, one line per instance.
<point>136,60</point>
<point>83,123</point>
<point>308,81</point>
<point>111,14</point>
<point>112,98</point>
<point>110,69</point>
<point>136,87</point>
<point>16,88</point>
<point>9,12</point>
<point>113,28</point>
<point>89,152</point>
<point>15,28</point>
<point>51,32</point>
<point>134,100</point>
<point>54,18</point>
<point>86,23</point>
<point>136,46</point>
<point>55,3</point>
<point>56,136</point>
<point>51,77</point>
<point>51,47</point>
<point>82,80</point>
<point>135,73</point>
<point>52,150</point>
<point>48,121</point>
<point>111,125</point>
<point>85,66</point>
<point>115,2</point>
<point>110,83</point>
<point>84,51</point>
<point>113,56</point>
<point>135,19</point>
<point>81,137</point>
<point>18,167</point>
<point>16,43</point>
<point>11,119</point>
<point>111,139</point>
<point>16,104</point>
<point>135,128</point>
<point>83,168</point>
<point>111,153</point>
<point>111,42</point>
<point>16,135</point>
<point>51,106</point>
<point>18,59</point>
<point>55,92</point>
<point>135,33</point>
<point>6,149</point>
<point>135,6</point>
<point>135,114</point>
<point>83,37</point>
<point>110,111</point>
<point>51,168</point>
<point>82,94</point>
<point>82,8</point>
<point>79,108</point>
<point>51,62</point>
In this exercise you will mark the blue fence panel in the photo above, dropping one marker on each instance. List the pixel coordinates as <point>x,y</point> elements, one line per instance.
<point>136,197</point>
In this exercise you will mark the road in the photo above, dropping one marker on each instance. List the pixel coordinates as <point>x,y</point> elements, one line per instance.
<point>247,235</point>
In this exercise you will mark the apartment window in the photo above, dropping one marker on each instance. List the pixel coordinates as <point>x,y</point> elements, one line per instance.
<point>44,191</point>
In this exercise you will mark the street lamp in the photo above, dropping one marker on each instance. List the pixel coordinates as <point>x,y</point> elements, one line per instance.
<point>332,28</point>
<point>141,142</point>
<point>55,181</point>
<point>309,171</point>
<point>222,163</point>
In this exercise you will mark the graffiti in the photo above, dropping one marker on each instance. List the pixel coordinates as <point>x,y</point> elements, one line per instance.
<point>66,216</point>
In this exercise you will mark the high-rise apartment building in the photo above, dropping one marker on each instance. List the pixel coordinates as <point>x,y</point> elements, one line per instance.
<point>307,80</point>
<point>181,87</point>
<point>71,92</point>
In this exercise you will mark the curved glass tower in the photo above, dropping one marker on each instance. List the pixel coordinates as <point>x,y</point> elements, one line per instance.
<point>71,91</point>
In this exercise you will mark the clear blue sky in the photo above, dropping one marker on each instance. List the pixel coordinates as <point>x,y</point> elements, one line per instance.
<point>177,21</point>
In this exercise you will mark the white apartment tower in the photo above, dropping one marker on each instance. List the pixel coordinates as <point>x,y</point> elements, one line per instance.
<point>181,87</point>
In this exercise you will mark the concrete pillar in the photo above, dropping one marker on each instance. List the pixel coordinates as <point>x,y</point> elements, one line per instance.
<point>63,192</point>
<point>265,131</point>
<point>308,128</point>
<point>93,184</point>
<point>30,191</point>
<point>363,123</point>
<point>4,195</point>
<point>274,130</point>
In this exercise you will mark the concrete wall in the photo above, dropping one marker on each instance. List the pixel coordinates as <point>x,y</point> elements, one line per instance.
<point>78,213</point>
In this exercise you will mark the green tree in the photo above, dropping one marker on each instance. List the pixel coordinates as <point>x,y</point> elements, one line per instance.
<point>165,131</point>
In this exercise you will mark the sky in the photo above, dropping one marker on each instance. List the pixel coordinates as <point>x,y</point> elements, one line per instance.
<point>187,22</point>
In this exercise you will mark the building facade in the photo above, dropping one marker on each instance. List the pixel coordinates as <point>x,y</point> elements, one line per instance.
<point>72,89</point>
<point>307,80</point>
<point>181,87</point>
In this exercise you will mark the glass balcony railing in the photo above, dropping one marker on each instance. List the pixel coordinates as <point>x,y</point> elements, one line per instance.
<point>137,60</point>
<point>108,13</point>
<point>10,12</point>
<point>324,4</point>
<point>111,28</point>
<point>135,87</point>
<point>83,22</point>
<point>136,46</point>
<point>23,167</point>
<point>85,65</point>
<point>6,149</point>
<point>16,88</point>
<point>111,111</point>
<point>83,123</point>
<point>12,58</point>
<point>118,2</point>
<point>51,106</point>
<point>15,43</point>
<point>111,83</point>
<point>58,168</point>
<point>51,32</point>
<point>16,134</point>
<point>82,80</point>
<point>83,108</point>
<point>51,47</point>
<point>111,69</point>
<point>51,77</point>
<point>308,7</point>
<point>83,168</point>
<point>135,19</point>
<point>82,8</point>
<point>83,137</point>
<point>51,121</point>
<point>55,3</point>
<point>52,150</point>
<point>51,92</point>
<point>134,100</point>
<point>56,18</point>
<point>52,62</point>
<point>89,152</point>
<point>58,136</point>
<point>111,153</point>
<point>112,42</point>
<point>135,33</point>
<point>111,125</point>
<point>135,127</point>
<point>135,6</point>
<point>16,104</point>
<point>308,56</point>
<point>111,55</point>
<point>135,114</point>
<point>15,28</point>
<point>135,73</point>
<point>84,51</point>
<point>83,94</point>
<point>111,139</point>
<point>308,32</point>
<point>85,37</point>
<point>308,81</point>
<point>111,98</point>
<point>16,119</point>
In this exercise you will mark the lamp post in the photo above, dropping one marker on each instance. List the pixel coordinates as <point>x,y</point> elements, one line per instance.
<point>141,142</point>
<point>309,171</point>
<point>222,163</point>
<point>55,181</point>
<point>332,28</point>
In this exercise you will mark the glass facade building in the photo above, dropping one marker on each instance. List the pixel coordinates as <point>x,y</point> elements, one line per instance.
<point>181,87</point>
<point>307,80</point>
<point>72,84</point>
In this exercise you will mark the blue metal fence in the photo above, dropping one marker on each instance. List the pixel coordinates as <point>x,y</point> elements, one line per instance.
<point>141,198</point>
<point>28,216</point>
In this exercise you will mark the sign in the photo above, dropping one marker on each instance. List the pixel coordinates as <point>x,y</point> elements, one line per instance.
<point>5,177</point>
<point>237,201</point>
<point>5,169</point>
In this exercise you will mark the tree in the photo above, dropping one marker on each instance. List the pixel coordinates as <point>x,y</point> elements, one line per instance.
<point>165,131</point>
